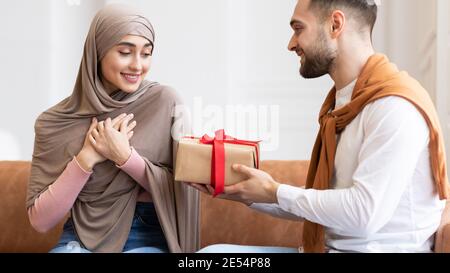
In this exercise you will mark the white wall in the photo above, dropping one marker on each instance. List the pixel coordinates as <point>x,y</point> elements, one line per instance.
<point>410,37</point>
<point>442,76</point>
<point>24,73</point>
<point>215,53</point>
<point>69,25</point>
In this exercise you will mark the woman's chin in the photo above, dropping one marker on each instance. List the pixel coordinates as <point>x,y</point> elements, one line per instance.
<point>130,88</point>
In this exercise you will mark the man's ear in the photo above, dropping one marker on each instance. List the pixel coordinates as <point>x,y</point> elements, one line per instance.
<point>337,23</point>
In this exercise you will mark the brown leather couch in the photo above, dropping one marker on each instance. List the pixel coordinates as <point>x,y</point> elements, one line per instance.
<point>221,221</point>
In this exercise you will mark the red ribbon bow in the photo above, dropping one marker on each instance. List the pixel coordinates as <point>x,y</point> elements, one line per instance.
<point>218,157</point>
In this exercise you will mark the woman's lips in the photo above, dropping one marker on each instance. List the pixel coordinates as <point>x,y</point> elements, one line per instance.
<point>131,78</point>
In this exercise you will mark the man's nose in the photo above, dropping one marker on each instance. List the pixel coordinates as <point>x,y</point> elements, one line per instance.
<point>292,46</point>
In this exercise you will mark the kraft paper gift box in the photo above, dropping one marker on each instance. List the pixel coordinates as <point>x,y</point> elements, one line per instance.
<point>195,164</point>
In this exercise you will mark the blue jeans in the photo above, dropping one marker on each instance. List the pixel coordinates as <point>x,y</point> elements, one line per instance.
<point>226,248</point>
<point>146,235</point>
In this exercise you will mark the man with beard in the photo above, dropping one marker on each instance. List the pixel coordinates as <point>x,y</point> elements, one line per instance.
<point>377,178</point>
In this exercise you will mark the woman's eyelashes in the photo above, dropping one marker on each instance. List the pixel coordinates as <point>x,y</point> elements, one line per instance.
<point>145,54</point>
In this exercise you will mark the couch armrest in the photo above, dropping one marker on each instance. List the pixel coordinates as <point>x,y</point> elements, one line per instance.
<point>442,240</point>
<point>16,232</point>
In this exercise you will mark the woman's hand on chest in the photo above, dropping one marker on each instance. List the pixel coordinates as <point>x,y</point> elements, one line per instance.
<point>111,138</point>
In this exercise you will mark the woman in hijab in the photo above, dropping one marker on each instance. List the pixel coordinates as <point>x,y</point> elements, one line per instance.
<point>103,157</point>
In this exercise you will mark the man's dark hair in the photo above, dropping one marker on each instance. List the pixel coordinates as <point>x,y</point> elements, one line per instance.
<point>362,11</point>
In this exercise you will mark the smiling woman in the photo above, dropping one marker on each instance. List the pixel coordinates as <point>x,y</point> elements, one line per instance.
<point>109,177</point>
<point>125,65</point>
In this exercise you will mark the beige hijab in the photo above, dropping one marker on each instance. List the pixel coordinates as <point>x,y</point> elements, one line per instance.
<point>103,211</point>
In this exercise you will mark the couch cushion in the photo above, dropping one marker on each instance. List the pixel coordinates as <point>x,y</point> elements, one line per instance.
<point>16,233</point>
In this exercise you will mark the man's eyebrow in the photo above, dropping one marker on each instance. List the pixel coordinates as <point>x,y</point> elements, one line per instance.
<point>132,45</point>
<point>295,21</point>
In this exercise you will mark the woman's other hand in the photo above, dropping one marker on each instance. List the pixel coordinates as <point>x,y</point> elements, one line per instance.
<point>111,140</point>
<point>88,157</point>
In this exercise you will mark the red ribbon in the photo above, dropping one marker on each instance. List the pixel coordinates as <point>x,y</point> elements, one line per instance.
<point>218,157</point>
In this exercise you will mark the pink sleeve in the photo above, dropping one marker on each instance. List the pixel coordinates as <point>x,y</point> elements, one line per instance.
<point>53,204</point>
<point>135,167</point>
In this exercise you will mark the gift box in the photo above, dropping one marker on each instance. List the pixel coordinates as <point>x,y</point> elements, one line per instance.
<point>208,160</point>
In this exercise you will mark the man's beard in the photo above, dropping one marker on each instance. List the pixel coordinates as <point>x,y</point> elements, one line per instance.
<point>319,60</point>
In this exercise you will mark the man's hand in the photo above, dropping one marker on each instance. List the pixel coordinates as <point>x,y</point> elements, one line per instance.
<point>260,187</point>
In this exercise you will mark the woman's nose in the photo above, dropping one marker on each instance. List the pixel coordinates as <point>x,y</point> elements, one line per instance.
<point>136,64</point>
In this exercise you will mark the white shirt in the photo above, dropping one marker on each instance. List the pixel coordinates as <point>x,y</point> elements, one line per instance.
<point>383,196</point>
